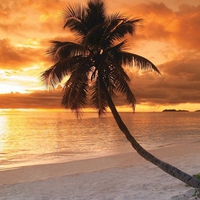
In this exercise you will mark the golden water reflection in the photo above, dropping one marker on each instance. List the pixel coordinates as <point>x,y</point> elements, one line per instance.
<point>37,136</point>
<point>3,131</point>
<point>30,137</point>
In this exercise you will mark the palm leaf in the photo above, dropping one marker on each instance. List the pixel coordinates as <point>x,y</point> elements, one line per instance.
<point>76,87</point>
<point>74,15</point>
<point>94,36</point>
<point>120,81</point>
<point>98,100</point>
<point>119,27</point>
<point>95,14</point>
<point>54,74</point>
<point>142,63</point>
<point>64,50</point>
<point>75,92</point>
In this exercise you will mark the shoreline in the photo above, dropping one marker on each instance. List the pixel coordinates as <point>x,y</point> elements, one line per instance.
<point>84,157</point>
<point>124,175</point>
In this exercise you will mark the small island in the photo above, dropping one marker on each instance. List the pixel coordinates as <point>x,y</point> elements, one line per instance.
<point>174,110</point>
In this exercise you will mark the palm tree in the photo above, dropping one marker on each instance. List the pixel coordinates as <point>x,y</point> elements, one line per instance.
<point>94,65</point>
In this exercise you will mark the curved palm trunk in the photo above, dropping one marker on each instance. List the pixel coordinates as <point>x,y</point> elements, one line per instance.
<point>173,171</point>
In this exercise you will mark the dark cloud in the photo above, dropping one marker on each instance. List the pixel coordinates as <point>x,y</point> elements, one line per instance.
<point>38,99</point>
<point>12,57</point>
<point>163,24</point>
<point>178,83</point>
<point>187,34</point>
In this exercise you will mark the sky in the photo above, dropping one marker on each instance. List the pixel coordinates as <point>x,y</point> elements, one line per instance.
<point>168,36</point>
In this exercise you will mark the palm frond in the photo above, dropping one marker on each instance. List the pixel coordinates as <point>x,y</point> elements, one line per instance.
<point>95,13</point>
<point>116,50</point>
<point>64,50</point>
<point>142,63</point>
<point>119,27</point>
<point>98,100</point>
<point>54,74</point>
<point>123,87</point>
<point>76,87</point>
<point>81,19</point>
<point>93,39</point>
<point>120,80</point>
<point>75,92</point>
<point>74,15</point>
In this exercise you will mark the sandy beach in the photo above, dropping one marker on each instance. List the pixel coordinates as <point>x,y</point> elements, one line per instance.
<point>119,177</point>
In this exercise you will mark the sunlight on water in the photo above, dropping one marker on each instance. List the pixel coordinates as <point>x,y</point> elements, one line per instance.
<point>3,124</point>
<point>33,136</point>
<point>3,130</point>
<point>37,136</point>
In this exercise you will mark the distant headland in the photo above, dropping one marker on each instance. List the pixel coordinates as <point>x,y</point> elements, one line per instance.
<point>174,110</point>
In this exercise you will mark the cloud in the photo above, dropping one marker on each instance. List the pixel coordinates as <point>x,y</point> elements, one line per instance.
<point>26,18</point>
<point>168,37</point>
<point>178,83</point>
<point>187,34</point>
<point>160,23</point>
<point>37,99</point>
<point>16,57</point>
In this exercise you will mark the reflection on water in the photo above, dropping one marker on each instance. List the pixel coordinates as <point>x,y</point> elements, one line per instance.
<point>38,137</point>
<point>45,136</point>
<point>3,130</point>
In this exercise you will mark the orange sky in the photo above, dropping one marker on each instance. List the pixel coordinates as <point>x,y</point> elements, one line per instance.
<point>169,37</point>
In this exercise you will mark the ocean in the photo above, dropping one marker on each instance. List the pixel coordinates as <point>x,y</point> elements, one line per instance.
<point>31,136</point>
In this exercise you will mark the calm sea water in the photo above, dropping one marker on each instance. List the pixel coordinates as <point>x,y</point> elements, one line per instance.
<point>36,136</point>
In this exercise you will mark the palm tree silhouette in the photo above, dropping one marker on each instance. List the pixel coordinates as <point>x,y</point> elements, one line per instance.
<point>94,65</point>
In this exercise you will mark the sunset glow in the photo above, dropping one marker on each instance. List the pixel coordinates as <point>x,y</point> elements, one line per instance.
<point>7,88</point>
<point>168,36</point>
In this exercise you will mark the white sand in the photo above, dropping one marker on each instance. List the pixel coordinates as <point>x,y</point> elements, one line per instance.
<point>120,177</point>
